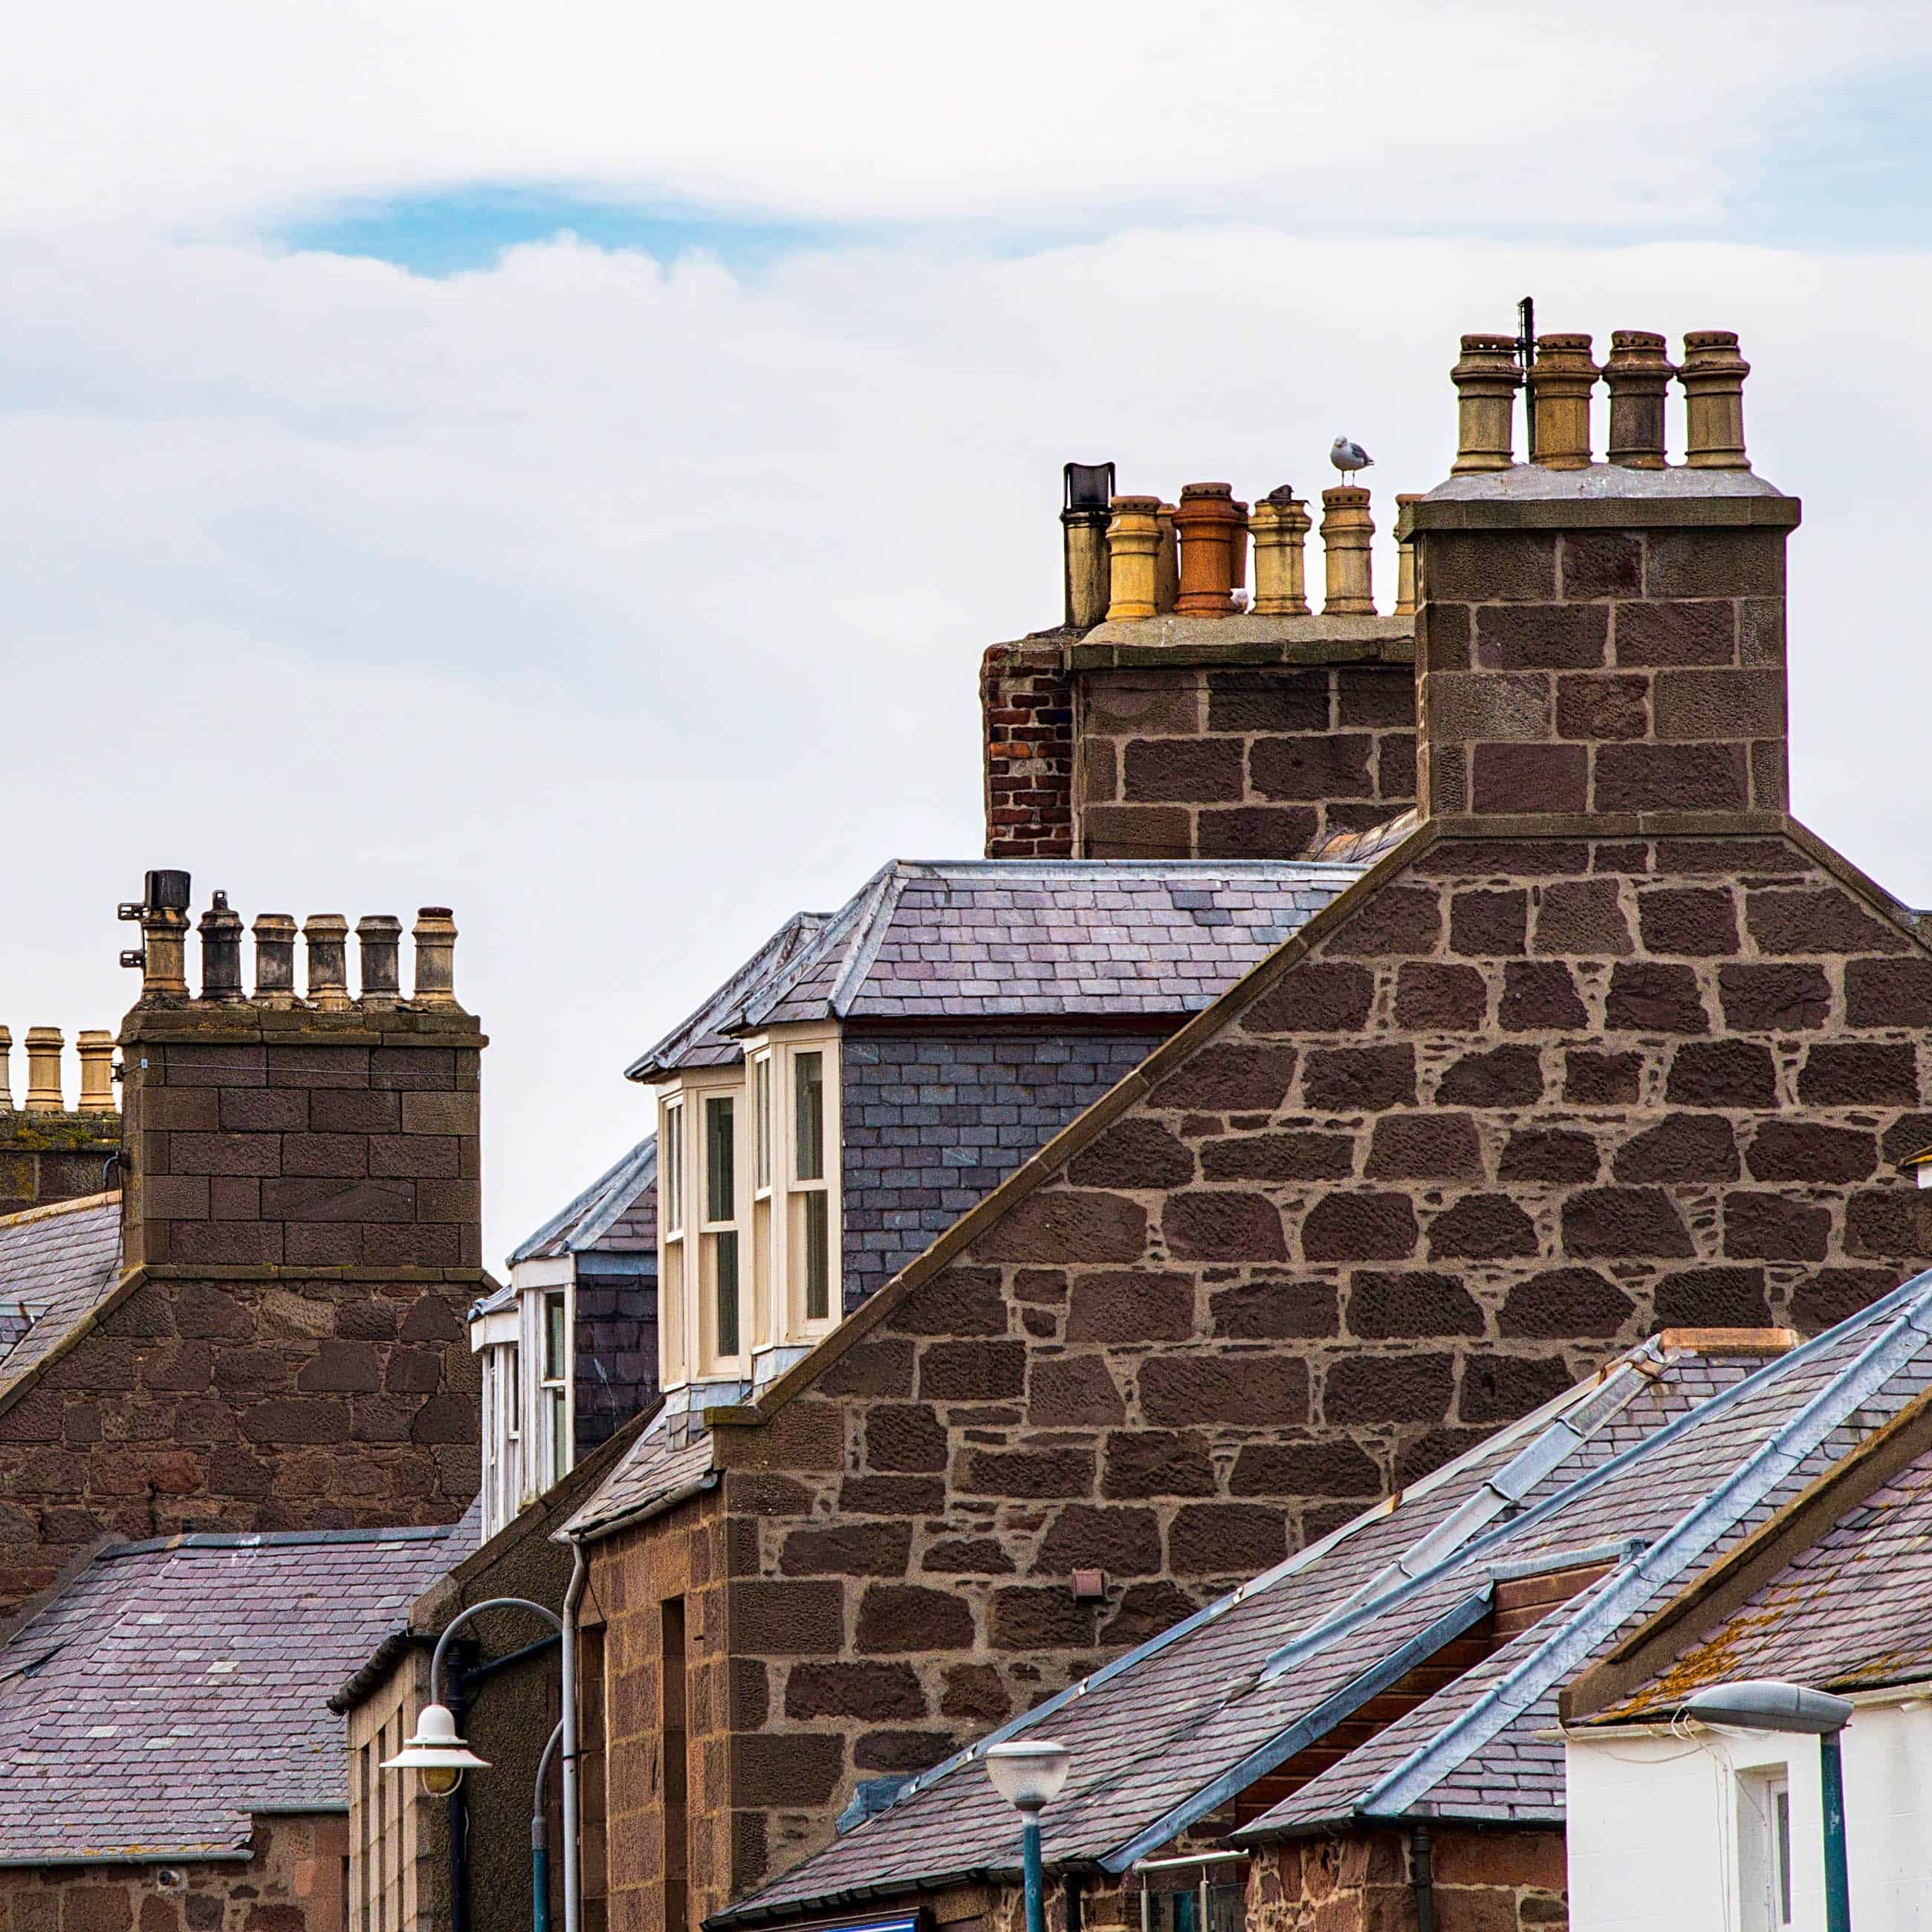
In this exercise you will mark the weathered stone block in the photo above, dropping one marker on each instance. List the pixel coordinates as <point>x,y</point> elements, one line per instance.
<point>1541,637</point>
<point>1645,997</point>
<point>1260,1390</point>
<point>1215,1224</point>
<point>1158,771</point>
<point>1359,1079</point>
<point>1313,997</point>
<point>1503,1076</point>
<point>1138,1305</point>
<point>1359,1226</point>
<point>1671,633</point>
<point>1482,1227</point>
<point>898,1618</point>
<point>1231,1076</point>
<point>1425,1147</point>
<point>1609,1222</point>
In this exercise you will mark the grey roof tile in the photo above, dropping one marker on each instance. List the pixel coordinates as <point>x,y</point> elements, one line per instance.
<point>172,1688</point>
<point>616,1213</point>
<point>57,1264</point>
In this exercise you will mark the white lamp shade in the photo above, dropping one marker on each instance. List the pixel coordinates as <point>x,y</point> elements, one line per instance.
<point>436,1746</point>
<point>1028,1773</point>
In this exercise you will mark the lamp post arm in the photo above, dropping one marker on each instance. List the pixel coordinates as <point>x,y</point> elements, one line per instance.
<point>462,1617</point>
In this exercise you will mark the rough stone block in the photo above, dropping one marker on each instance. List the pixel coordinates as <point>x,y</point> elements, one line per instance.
<point>1482,1227</point>
<point>1541,637</point>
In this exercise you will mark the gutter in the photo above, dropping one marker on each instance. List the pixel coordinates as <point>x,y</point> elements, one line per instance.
<point>595,1532</point>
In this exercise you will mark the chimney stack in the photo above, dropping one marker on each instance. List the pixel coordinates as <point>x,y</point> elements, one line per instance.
<point>1206,520</point>
<point>1346,535</point>
<point>1083,522</point>
<point>1487,380</point>
<point>1281,524</point>
<point>1639,374</point>
<point>1713,376</point>
<point>1616,656</point>
<point>1132,539</point>
<point>43,1070</point>
<point>1562,379</point>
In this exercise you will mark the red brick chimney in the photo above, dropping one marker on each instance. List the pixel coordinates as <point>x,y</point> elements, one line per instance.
<point>1599,639</point>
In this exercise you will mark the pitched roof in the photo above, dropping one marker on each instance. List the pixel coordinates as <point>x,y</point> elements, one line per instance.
<point>1847,1613</point>
<point>1011,938</point>
<point>1645,1470</point>
<point>616,1213</point>
<point>173,1687</point>
<point>57,1264</point>
<point>697,1039</point>
<point>673,1454</point>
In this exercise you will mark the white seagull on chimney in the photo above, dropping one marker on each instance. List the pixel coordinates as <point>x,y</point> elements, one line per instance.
<point>1347,456</point>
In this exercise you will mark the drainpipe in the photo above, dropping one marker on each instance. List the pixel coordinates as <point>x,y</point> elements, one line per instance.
<point>540,1841</point>
<point>573,1597</point>
<point>1837,1880</point>
<point>1422,1879</point>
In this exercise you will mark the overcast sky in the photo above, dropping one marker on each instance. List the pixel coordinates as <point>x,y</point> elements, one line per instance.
<point>564,463</point>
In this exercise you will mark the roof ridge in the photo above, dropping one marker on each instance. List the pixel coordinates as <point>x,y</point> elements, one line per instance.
<point>839,927</point>
<point>48,1209</point>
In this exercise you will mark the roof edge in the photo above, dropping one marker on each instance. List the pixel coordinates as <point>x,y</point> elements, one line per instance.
<point>1692,1614</point>
<point>48,1209</point>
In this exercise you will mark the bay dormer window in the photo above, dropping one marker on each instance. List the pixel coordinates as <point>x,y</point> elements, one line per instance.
<point>810,1257</point>
<point>673,1348</point>
<point>721,1316</point>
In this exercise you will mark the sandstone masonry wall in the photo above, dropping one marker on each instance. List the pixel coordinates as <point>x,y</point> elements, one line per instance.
<point>1504,1881</point>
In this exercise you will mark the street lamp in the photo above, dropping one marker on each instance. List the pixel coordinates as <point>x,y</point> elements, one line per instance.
<point>1028,1775</point>
<point>1764,1704</point>
<point>438,1757</point>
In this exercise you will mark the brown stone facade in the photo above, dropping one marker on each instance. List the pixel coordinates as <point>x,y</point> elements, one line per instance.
<point>286,1348</point>
<point>49,1157</point>
<point>1239,738</point>
<point>1502,1881</point>
<point>292,1882</point>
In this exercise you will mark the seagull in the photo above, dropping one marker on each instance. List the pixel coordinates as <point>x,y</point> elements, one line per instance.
<point>1347,456</point>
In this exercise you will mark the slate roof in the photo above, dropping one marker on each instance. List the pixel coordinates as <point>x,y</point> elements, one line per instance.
<point>1667,1458</point>
<point>1007,938</point>
<point>1848,1613</point>
<point>57,1264</point>
<point>173,1687</point>
<point>665,1459</point>
<point>616,1213</point>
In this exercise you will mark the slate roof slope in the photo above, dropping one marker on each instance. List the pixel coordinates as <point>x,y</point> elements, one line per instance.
<point>1849,1612</point>
<point>657,1466</point>
<point>57,1263</point>
<point>173,1687</point>
<point>1647,1469</point>
<point>1007,938</point>
<point>696,1040</point>
<point>617,1210</point>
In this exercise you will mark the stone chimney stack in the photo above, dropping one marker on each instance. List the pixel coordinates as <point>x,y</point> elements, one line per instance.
<point>1602,641</point>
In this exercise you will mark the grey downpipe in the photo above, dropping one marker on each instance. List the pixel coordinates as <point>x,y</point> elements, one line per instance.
<point>573,1900</point>
<point>1422,1878</point>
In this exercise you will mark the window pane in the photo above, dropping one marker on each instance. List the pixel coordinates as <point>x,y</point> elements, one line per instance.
<point>673,1169</point>
<point>728,1292</point>
<point>721,1141</point>
<point>553,1338</point>
<point>559,1446</point>
<point>762,1128</point>
<point>1780,1826</point>
<point>817,1256</point>
<point>809,1079</point>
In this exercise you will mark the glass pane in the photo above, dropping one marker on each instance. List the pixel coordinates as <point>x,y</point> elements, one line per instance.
<point>762,1130</point>
<point>1780,1824</point>
<point>720,1143</point>
<point>673,1169</point>
<point>559,1446</point>
<point>728,1292</point>
<point>817,1256</point>
<point>808,1081</point>
<point>553,1338</point>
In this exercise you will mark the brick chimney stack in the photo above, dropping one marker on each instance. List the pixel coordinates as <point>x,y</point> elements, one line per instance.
<point>1603,640</point>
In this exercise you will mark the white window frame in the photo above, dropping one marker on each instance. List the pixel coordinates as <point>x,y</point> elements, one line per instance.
<point>800,1324</point>
<point>675,1356</point>
<point>715,1360</point>
<point>555,1418</point>
<point>1763,1797</point>
<point>495,1338</point>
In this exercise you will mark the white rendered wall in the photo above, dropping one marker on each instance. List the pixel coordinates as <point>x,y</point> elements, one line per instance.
<point>1653,1838</point>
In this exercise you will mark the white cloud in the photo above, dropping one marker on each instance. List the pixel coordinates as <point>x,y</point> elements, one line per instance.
<point>628,608</point>
<point>1430,118</point>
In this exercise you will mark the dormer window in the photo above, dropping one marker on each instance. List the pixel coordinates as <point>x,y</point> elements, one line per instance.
<point>812,1201</point>
<point>719,1232</point>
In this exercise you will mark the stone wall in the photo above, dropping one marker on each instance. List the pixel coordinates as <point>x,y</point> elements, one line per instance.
<point>49,1157</point>
<point>679,1555</point>
<point>292,1882</point>
<point>1502,1881</point>
<point>1026,709</point>
<point>931,1124</point>
<point>1186,761</point>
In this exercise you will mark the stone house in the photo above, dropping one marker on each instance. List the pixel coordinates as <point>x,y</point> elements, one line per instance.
<point>1363,1736</point>
<point>1600,1041</point>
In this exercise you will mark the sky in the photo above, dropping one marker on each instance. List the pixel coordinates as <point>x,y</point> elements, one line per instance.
<point>565,464</point>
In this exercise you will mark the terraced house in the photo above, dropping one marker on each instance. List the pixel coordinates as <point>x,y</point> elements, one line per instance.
<point>1596,1040</point>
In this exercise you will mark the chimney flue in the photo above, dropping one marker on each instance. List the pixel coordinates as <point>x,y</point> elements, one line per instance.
<point>1487,380</point>
<point>1562,379</point>
<point>274,960</point>
<point>1166,562</point>
<point>1083,524</point>
<point>1346,535</point>
<point>1132,538</point>
<point>435,936</point>
<point>1405,552</point>
<point>96,1049</point>
<point>379,935</point>
<point>327,934</point>
<point>1281,523</point>
<point>221,953</point>
<point>1638,373</point>
<point>6,1071</point>
<point>163,912</point>
<point>1713,376</point>
<point>43,1070</point>
<point>1205,521</point>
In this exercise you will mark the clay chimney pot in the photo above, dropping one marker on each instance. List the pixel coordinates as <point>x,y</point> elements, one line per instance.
<point>1132,538</point>
<point>1280,523</point>
<point>1487,380</point>
<point>96,1049</point>
<point>1562,378</point>
<point>327,935</point>
<point>1639,374</point>
<point>1206,520</point>
<point>1346,535</point>
<point>43,1070</point>
<point>1713,376</point>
